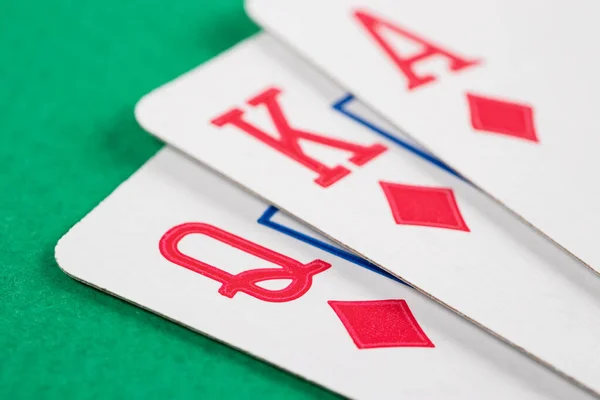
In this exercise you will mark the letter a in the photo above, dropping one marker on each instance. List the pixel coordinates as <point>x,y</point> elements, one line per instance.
<point>373,24</point>
<point>287,143</point>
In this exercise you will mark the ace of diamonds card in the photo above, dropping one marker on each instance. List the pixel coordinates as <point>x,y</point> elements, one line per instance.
<point>505,91</point>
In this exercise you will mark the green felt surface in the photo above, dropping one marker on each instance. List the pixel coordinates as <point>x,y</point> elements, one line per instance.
<point>70,75</point>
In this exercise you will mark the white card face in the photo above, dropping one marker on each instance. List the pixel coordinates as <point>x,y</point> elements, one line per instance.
<point>178,240</point>
<point>399,211</point>
<point>505,91</point>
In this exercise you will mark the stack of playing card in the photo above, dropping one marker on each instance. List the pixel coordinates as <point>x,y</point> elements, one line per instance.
<point>433,237</point>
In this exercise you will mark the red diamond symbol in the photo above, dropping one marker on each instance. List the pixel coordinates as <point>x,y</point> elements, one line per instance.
<point>424,206</point>
<point>380,323</point>
<point>506,118</point>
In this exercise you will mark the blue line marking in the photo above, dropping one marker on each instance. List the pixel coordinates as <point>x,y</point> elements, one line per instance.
<point>266,219</point>
<point>340,106</point>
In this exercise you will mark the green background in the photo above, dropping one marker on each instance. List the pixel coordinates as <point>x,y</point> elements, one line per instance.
<point>71,73</point>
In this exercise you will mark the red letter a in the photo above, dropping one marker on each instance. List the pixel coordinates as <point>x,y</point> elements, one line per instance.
<point>287,143</point>
<point>373,24</point>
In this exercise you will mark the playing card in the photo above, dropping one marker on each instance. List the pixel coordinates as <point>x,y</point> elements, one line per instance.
<point>262,118</point>
<point>505,91</point>
<point>179,241</point>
